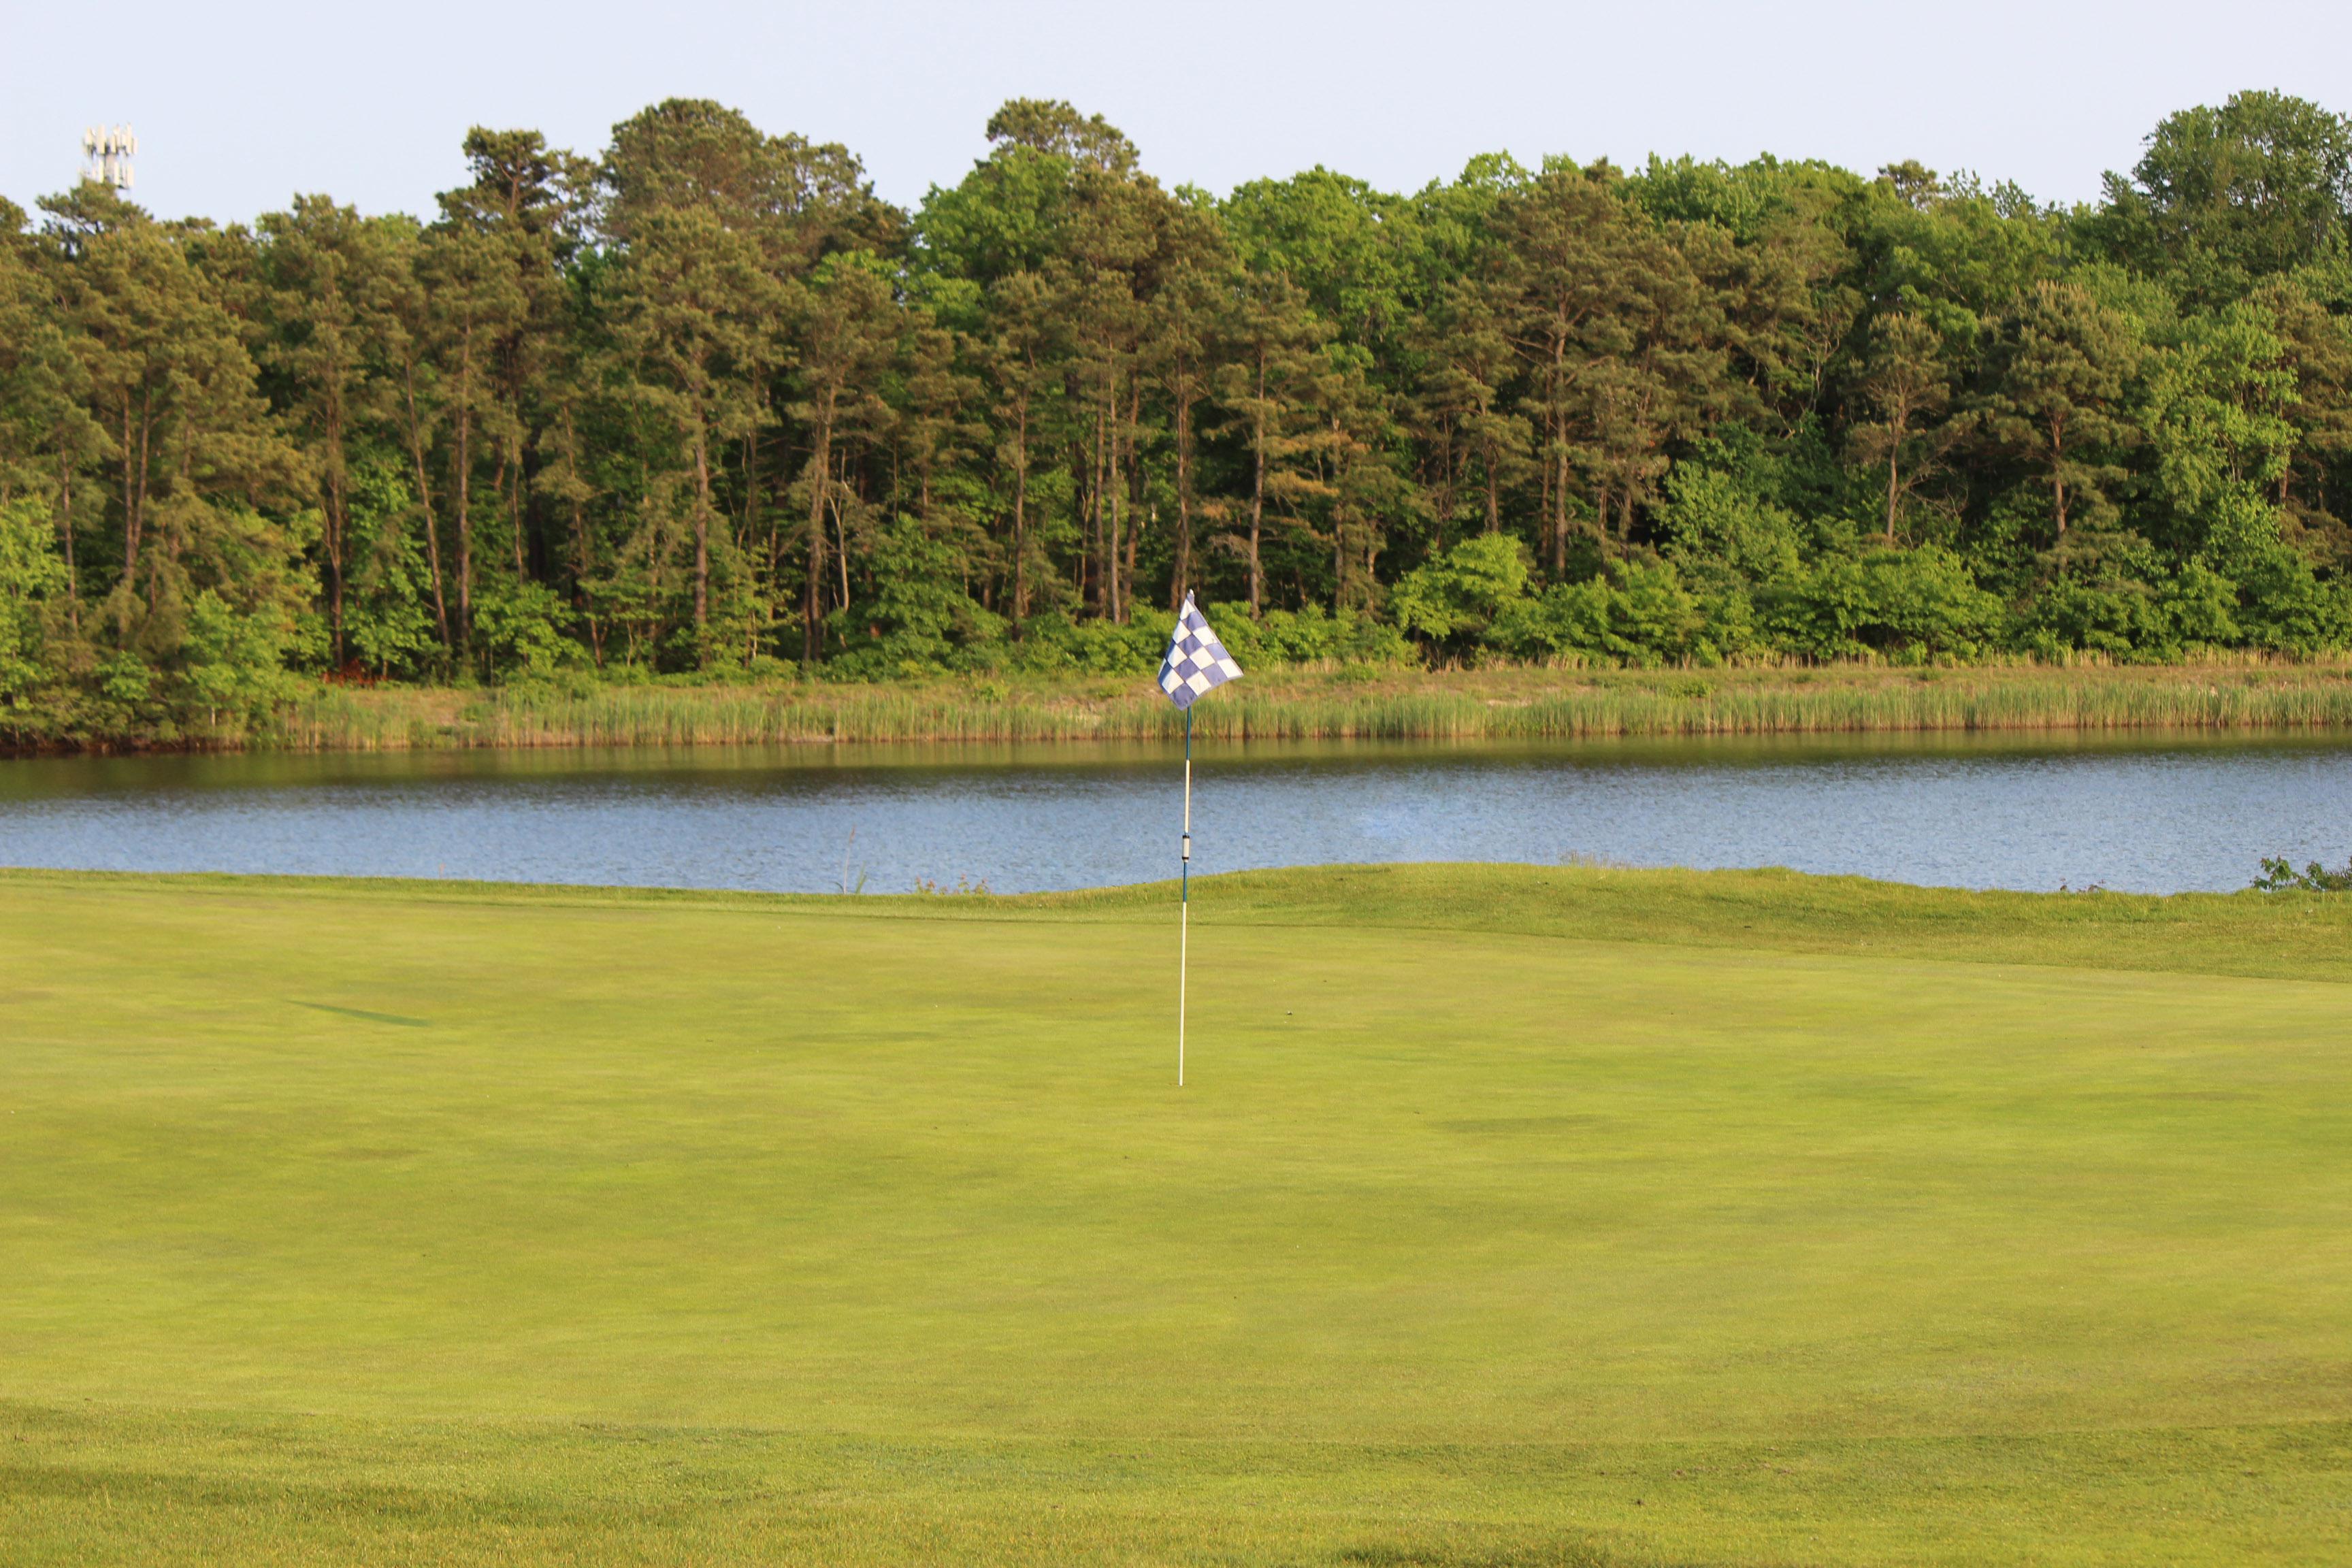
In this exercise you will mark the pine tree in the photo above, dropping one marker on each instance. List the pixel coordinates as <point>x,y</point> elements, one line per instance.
<point>191,451</point>
<point>1266,386</point>
<point>324,266</point>
<point>2060,361</point>
<point>1906,382</point>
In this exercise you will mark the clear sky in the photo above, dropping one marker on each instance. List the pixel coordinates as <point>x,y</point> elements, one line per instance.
<point>240,103</point>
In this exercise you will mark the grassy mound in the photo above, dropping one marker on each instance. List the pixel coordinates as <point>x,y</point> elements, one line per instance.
<point>1511,1216</point>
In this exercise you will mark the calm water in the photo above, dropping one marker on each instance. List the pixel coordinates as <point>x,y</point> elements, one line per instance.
<point>2157,816</point>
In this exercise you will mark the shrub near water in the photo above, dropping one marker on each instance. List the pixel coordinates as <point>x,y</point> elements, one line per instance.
<point>1908,604</point>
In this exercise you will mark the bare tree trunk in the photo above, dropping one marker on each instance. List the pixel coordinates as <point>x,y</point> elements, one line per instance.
<point>2058,479</point>
<point>1106,506</point>
<point>579,574</point>
<point>1111,478</point>
<point>129,503</point>
<point>1339,523</point>
<point>510,488</point>
<point>66,531</point>
<point>751,489</point>
<point>1559,467</point>
<point>1556,471</point>
<point>701,540</point>
<point>1892,489</point>
<point>146,436</point>
<point>1543,504</point>
<point>1136,516</point>
<point>820,470</point>
<point>1021,511</point>
<point>1183,574</point>
<point>465,487</point>
<point>338,523</point>
<point>424,504</point>
<point>1257,500</point>
<point>1090,591</point>
<point>841,537</point>
<point>581,554</point>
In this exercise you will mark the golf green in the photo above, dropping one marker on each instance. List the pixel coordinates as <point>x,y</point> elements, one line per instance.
<point>1508,1216</point>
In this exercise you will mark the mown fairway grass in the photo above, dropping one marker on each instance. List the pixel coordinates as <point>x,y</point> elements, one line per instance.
<point>1512,1217</point>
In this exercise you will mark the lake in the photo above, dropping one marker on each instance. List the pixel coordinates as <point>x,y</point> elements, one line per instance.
<point>2157,814</point>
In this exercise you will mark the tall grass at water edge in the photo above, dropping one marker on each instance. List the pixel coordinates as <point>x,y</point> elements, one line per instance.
<point>1525,704</point>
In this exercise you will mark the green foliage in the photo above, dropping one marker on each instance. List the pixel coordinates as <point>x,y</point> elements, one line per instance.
<point>2120,619</point>
<point>125,680</point>
<point>1721,533</point>
<point>2056,404</point>
<point>1639,613</point>
<point>1307,636</point>
<point>2200,609</point>
<point>520,628</point>
<point>915,630</point>
<point>2121,612</point>
<point>1349,247</point>
<point>32,579</point>
<point>2224,197</point>
<point>1456,597</point>
<point>233,667</point>
<point>704,405</point>
<point>2217,416</point>
<point>919,620</point>
<point>2284,605</point>
<point>1903,604</point>
<point>2279,875</point>
<point>1054,643</point>
<point>389,626</point>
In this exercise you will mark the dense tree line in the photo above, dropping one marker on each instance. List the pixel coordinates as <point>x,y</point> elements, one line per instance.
<point>706,404</point>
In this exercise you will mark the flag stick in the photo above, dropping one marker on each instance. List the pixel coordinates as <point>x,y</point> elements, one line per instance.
<point>1184,902</point>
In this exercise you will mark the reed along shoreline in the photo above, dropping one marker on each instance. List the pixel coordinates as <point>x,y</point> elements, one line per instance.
<point>1332,705</point>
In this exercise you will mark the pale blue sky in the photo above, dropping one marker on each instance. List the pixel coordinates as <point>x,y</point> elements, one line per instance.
<point>239,103</point>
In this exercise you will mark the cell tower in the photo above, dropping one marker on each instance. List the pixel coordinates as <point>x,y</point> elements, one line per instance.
<point>107,149</point>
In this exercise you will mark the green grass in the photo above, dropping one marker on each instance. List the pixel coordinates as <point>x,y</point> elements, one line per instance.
<point>1512,1217</point>
<point>1356,704</point>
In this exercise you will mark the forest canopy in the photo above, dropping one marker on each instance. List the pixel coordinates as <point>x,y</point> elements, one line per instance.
<point>704,405</point>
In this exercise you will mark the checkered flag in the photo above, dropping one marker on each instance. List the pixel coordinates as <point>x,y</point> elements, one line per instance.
<point>1196,661</point>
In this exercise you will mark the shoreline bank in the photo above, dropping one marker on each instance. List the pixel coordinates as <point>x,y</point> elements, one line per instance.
<point>1343,705</point>
<point>1346,705</point>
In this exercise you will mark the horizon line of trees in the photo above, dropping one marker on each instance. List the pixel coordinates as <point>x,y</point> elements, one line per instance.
<point>706,404</point>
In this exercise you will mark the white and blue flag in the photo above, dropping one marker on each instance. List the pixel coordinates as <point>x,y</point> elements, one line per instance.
<point>1196,662</point>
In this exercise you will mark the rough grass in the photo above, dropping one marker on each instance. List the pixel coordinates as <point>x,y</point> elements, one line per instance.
<point>1500,704</point>
<point>1513,1217</point>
